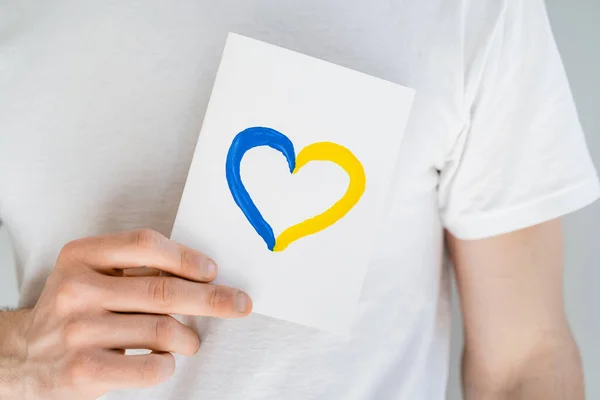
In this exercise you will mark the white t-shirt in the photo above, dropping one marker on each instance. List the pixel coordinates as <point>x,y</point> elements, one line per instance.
<point>100,108</point>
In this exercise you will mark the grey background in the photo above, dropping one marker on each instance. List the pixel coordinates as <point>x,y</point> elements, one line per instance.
<point>576,25</point>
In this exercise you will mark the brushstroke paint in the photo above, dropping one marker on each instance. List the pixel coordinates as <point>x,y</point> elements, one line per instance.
<point>321,151</point>
<point>244,141</point>
<point>327,151</point>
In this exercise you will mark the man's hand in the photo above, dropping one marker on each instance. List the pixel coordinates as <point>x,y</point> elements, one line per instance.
<point>71,344</point>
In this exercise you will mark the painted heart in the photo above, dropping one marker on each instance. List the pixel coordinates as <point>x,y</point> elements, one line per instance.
<point>321,151</point>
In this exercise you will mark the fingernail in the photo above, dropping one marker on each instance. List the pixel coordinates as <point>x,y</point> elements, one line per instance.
<point>209,268</point>
<point>241,302</point>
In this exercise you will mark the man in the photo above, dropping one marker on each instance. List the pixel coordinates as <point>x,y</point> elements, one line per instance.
<point>100,108</point>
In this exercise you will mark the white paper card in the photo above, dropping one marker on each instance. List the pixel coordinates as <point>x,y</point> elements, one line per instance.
<point>273,111</point>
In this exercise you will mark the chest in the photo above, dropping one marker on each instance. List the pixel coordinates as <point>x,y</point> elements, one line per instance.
<point>102,105</point>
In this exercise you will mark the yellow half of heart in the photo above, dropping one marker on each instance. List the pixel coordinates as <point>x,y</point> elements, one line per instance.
<point>326,151</point>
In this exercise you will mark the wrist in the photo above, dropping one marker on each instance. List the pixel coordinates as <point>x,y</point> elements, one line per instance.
<point>13,350</point>
<point>13,325</point>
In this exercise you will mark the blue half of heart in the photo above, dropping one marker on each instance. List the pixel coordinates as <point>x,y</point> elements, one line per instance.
<point>244,141</point>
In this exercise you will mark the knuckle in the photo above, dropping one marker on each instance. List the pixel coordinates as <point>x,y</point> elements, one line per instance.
<point>161,292</point>
<point>68,251</point>
<point>66,294</point>
<point>82,369</point>
<point>216,296</point>
<point>147,238</point>
<point>73,332</point>
<point>73,291</point>
<point>188,262</point>
<point>163,328</point>
<point>150,370</point>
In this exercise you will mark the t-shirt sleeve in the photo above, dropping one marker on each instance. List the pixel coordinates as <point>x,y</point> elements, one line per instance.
<point>522,157</point>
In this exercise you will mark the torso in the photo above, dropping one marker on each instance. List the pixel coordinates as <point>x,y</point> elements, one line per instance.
<point>100,108</point>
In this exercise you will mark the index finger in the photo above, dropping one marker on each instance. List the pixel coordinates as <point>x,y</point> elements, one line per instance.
<point>141,248</point>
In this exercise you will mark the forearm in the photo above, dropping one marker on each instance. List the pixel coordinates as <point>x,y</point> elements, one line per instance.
<point>555,374</point>
<point>12,348</point>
